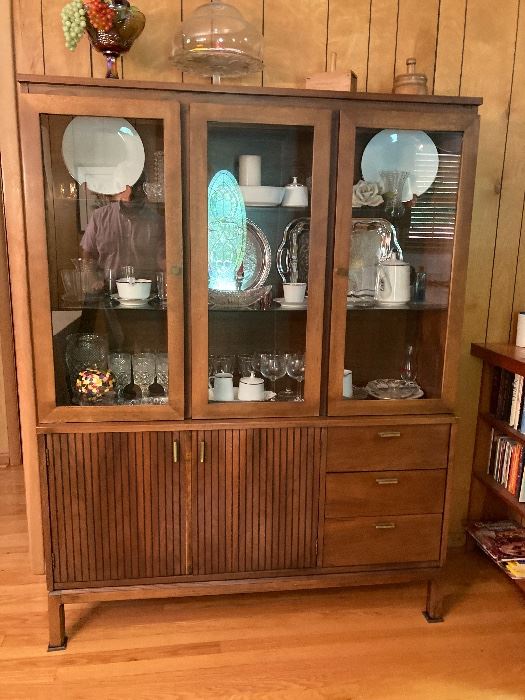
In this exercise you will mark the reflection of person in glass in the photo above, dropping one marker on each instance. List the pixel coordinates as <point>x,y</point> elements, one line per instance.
<point>126,232</point>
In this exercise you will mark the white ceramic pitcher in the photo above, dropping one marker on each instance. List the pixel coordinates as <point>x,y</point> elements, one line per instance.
<point>393,282</point>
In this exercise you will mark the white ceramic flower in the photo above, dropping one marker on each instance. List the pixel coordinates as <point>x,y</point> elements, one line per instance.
<point>366,194</point>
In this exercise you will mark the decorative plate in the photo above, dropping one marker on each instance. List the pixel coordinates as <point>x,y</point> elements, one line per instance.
<point>257,258</point>
<point>226,231</point>
<point>294,251</point>
<point>104,152</point>
<point>401,149</point>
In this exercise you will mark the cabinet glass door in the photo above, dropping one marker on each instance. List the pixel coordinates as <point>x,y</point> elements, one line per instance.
<point>258,222</point>
<point>111,241</point>
<point>398,281</point>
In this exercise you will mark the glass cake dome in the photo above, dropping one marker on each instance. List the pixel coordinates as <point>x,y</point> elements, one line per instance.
<point>216,40</point>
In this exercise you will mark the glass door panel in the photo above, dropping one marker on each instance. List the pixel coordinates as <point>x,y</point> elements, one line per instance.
<point>400,247</point>
<point>263,299</point>
<point>106,249</point>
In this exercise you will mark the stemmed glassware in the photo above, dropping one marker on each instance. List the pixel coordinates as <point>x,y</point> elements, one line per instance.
<point>162,371</point>
<point>120,365</point>
<point>144,371</point>
<point>393,182</point>
<point>295,370</point>
<point>273,367</point>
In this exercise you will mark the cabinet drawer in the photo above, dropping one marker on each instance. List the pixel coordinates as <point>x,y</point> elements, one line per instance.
<point>382,540</point>
<point>385,493</point>
<point>387,447</point>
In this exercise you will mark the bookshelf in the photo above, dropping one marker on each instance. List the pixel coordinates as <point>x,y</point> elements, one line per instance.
<point>491,500</point>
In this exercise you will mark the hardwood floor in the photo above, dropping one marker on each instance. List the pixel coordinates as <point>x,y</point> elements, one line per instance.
<point>354,644</point>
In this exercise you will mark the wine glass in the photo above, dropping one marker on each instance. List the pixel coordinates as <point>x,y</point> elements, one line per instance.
<point>161,364</point>
<point>295,370</point>
<point>144,371</point>
<point>273,367</point>
<point>120,365</point>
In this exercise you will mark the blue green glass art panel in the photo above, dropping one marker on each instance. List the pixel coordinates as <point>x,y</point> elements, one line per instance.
<point>226,231</point>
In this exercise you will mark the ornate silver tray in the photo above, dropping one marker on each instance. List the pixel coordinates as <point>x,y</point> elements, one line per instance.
<point>294,251</point>
<point>257,258</point>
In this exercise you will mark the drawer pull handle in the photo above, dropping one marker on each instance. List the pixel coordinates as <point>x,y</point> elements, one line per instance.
<point>175,451</point>
<point>384,482</point>
<point>385,526</point>
<point>390,434</point>
<point>202,451</point>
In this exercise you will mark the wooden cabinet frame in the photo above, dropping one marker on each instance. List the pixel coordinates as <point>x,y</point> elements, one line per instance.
<point>32,106</point>
<point>350,121</point>
<point>320,120</point>
<point>226,547</point>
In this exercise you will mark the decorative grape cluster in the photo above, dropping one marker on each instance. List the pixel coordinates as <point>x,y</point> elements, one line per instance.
<point>73,23</point>
<point>100,15</point>
<point>76,14</point>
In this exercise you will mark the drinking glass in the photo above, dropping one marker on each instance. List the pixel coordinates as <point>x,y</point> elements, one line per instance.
<point>223,363</point>
<point>110,277</point>
<point>162,371</point>
<point>295,370</point>
<point>144,371</point>
<point>245,364</point>
<point>120,365</point>
<point>127,272</point>
<point>162,289</point>
<point>273,367</point>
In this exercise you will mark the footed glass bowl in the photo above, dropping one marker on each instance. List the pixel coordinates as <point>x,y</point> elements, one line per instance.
<point>229,299</point>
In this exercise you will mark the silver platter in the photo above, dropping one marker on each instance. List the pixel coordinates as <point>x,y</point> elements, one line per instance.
<point>257,258</point>
<point>294,251</point>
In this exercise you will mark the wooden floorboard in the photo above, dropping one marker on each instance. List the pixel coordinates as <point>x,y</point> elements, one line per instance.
<point>354,644</point>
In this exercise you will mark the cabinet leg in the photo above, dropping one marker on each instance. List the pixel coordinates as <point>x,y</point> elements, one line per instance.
<point>434,609</point>
<point>57,623</point>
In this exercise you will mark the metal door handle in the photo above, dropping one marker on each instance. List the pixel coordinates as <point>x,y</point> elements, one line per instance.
<point>385,526</point>
<point>384,482</point>
<point>202,451</point>
<point>175,451</point>
<point>390,434</point>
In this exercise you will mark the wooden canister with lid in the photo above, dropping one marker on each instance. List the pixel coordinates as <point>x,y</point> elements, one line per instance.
<point>410,83</point>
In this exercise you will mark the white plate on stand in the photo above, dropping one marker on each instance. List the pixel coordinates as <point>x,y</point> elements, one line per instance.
<point>132,303</point>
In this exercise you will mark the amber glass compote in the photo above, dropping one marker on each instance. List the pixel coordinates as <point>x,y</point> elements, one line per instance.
<point>118,39</point>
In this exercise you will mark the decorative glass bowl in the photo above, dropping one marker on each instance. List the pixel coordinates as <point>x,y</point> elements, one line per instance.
<point>216,40</point>
<point>393,389</point>
<point>229,299</point>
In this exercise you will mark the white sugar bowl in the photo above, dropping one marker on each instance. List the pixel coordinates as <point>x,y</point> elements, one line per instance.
<point>133,288</point>
<point>251,388</point>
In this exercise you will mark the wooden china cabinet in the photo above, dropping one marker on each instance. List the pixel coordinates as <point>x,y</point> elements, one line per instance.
<point>153,483</point>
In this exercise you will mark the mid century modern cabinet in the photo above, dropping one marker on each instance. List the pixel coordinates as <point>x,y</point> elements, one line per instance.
<point>186,495</point>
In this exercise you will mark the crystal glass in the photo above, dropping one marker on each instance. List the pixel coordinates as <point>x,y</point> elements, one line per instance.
<point>408,370</point>
<point>245,364</point>
<point>162,289</point>
<point>110,278</point>
<point>144,371</point>
<point>85,351</point>
<point>295,370</point>
<point>273,367</point>
<point>393,182</point>
<point>127,23</point>
<point>120,365</point>
<point>216,40</point>
<point>162,371</point>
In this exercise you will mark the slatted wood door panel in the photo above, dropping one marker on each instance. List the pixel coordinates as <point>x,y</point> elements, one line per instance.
<point>255,499</point>
<point>117,510</point>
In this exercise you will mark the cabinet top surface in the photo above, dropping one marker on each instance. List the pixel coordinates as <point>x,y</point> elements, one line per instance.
<point>247,90</point>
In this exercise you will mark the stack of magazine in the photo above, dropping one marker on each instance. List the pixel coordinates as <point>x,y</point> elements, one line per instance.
<point>504,542</point>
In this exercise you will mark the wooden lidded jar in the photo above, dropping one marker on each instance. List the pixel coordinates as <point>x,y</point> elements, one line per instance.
<point>411,83</point>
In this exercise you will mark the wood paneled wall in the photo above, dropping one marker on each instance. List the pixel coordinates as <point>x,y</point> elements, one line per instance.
<point>467,47</point>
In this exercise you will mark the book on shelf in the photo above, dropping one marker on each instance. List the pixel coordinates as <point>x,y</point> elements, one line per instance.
<point>507,399</point>
<point>506,464</point>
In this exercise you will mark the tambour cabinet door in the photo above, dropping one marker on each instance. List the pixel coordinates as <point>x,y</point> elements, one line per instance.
<point>116,507</point>
<point>255,499</point>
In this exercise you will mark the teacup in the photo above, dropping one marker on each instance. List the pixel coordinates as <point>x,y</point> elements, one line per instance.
<point>294,292</point>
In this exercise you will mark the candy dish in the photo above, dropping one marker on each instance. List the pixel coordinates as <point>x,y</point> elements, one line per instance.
<point>394,389</point>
